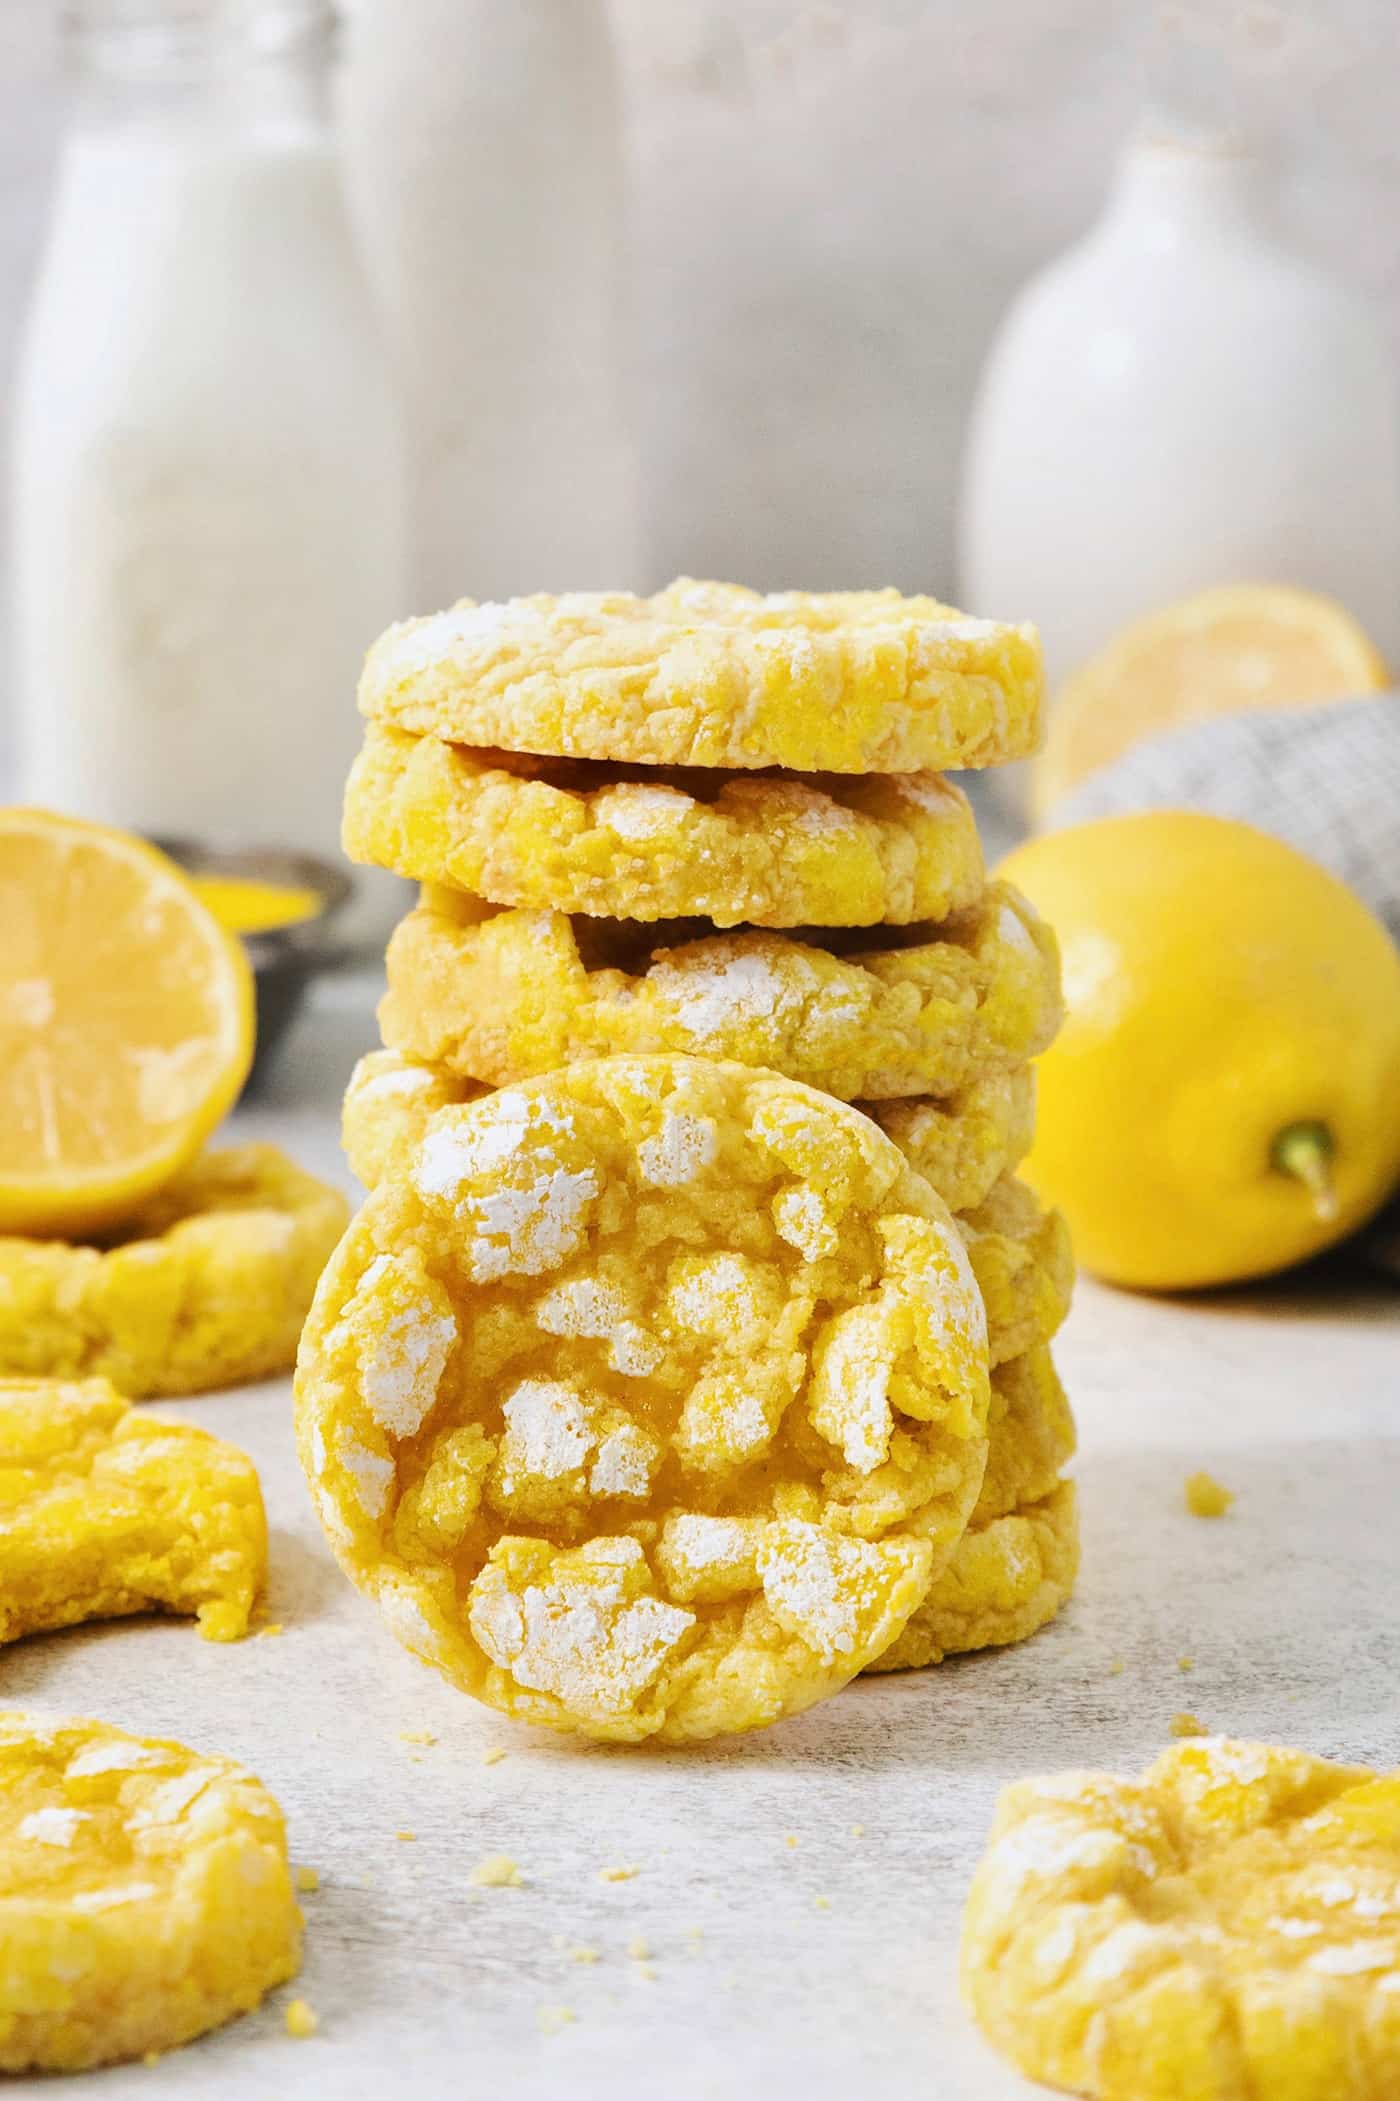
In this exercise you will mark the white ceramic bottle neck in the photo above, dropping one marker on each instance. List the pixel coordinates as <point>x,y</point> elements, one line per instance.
<point>1169,190</point>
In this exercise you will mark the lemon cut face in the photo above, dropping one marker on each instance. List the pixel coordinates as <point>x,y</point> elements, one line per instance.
<point>1243,646</point>
<point>647,1399</point>
<point>126,1023</point>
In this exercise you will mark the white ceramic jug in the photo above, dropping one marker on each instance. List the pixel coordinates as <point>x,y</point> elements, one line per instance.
<point>1177,402</point>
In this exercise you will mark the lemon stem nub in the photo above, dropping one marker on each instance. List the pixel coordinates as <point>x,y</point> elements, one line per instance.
<point>1305,1151</point>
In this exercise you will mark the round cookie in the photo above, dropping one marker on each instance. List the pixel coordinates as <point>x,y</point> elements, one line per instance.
<point>144,1894</point>
<point>207,1285</point>
<point>966,1142</point>
<point>1023,1260</point>
<point>716,676</point>
<point>961,1145</point>
<point>503,996</point>
<point>1227,1927</point>
<point>648,1398</point>
<point>1008,1578</point>
<point>618,842</point>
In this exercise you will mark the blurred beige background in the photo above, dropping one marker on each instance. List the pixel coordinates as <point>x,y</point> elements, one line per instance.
<point>832,205</point>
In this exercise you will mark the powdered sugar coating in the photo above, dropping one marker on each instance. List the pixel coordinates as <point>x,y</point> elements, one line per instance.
<point>1182,1923</point>
<point>500,996</point>
<point>144,1894</point>
<point>712,675</point>
<point>648,843</point>
<point>658,1454</point>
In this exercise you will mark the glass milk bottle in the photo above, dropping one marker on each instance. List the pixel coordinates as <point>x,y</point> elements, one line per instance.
<point>207,487</point>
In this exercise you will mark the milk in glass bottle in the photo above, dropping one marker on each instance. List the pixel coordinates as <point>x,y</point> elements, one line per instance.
<point>207,495</point>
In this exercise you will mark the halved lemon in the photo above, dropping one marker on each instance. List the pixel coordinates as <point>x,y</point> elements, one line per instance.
<point>126,1023</point>
<point>1243,646</point>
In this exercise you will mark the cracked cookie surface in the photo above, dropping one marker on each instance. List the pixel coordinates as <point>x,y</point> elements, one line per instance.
<point>713,675</point>
<point>649,843</point>
<point>144,1894</point>
<point>1023,1261</point>
<point>505,995</point>
<point>105,1510</point>
<point>1227,1926</point>
<point>962,1145</point>
<point>207,1285</point>
<point>647,1398</point>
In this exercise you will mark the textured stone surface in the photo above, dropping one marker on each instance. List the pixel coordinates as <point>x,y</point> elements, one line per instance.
<point>1290,1397</point>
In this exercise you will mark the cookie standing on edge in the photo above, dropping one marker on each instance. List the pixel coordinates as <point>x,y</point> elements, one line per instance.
<point>106,1511</point>
<point>713,675</point>
<point>144,1894</point>
<point>648,1398</point>
<point>1227,1926</point>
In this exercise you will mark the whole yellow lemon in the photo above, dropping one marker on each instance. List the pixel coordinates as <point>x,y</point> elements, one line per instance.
<point>1224,1097</point>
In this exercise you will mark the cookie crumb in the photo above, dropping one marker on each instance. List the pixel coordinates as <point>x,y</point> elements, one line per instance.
<point>497,1871</point>
<point>789,1838</point>
<point>821,1903</point>
<point>583,1953</point>
<point>646,1971</point>
<point>307,1880</point>
<point>857,1831</point>
<point>622,1874</point>
<point>638,1948</point>
<point>272,1627</point>
<point>407,1836</point>
<point>552,2018</point>
<point>1186,1663</point>
<point>416,1736</point>
<point>300,2020</point>
<point>1188,1725</point>
<point>1117,1667</point>
<point>494,1756</point>
<point>1207,1497</point>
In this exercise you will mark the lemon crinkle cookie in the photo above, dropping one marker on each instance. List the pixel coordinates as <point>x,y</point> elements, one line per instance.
<point>1024,1265</point>
<point>1008,1578</point>
<point>1227,1926</point>
<point>107,1511</point>
<point>962,1144</point>
<point>1016,1564</point>
<point>713,675</point>
<point>144,1894</point>
<point>648,1398</point>
<point>645,843</point>
<point>505,995</point>
<point>207,1285</point>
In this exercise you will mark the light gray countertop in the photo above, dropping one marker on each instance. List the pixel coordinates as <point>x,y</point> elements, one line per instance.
<point>789,1955</point>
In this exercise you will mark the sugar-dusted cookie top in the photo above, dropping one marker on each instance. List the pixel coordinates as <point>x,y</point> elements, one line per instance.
<point>144,1894</point>
<point>648,1397</point>
<point>1226,1927</point>
<point>713,675</point>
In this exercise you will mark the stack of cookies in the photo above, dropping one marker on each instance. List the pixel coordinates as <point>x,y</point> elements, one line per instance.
<point>714,824</point>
